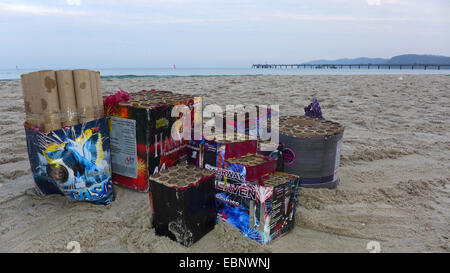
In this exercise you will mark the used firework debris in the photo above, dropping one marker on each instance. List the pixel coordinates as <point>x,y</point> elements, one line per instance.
<point>252,166</point>
<point>142,131</point>
<point>303,126</point>
<point>313,110</point>
<point>183,203</point>
<point>260,212</point>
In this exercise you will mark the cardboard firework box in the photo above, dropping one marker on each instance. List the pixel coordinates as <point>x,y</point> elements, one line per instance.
<point>73,161</point>
<point>183,203</point>
<point>260,211</point>
<point>251,124</point>
<point>213,150</point>
<point>141,134</point>
<point>273,150</point>
<point>251,167</point>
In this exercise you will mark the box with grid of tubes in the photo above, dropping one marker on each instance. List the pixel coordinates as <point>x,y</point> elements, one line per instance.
<point>148,121</point>
<point>311,149</point>
<point>261,210</point>
<point>305,127</point>
<point>252,167</point>
<point>183,203</point>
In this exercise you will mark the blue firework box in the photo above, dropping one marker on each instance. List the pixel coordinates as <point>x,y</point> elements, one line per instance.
<point>73,161</point>
<point>261,210</point>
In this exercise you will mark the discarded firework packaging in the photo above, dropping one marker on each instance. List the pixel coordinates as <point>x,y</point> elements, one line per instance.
<point>141,134</point>
<point>250,125</point>
<point>213,150</point>
<point>183,203</point>
<point>273,150</point>
<point>73,161</point>
<point>195,153</point>
<point>262,212</point>
<point>313,110</point>
<point>312,149</point>
<point>54,99</point>
<point>250,167</point>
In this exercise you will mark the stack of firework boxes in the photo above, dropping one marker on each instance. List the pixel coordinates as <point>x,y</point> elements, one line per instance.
<point>222,178</point>
<point>251,192</point>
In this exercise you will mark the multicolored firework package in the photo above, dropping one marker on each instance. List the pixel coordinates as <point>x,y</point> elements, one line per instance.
<point>73,161</point>
<point>261,212</point>
<point>141,134</point>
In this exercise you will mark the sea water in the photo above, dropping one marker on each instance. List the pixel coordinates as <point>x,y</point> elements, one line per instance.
<point>14,74</point>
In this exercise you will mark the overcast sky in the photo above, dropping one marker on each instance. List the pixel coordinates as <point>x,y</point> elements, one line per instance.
<point>215,33</point>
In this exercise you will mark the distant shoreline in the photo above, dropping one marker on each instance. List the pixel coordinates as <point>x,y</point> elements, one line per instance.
<point>284,72</point>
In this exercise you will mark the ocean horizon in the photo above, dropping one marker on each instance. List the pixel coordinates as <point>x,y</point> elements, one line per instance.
<point>14,74</point>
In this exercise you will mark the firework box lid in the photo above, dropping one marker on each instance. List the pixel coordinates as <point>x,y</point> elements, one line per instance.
<point>73,161</point>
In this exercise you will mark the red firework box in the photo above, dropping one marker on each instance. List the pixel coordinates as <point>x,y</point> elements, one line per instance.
<point>251,167</point>
<point>243,122</point>
<point>148,132</point>
<point>214,149</point>
<point>261,210</point>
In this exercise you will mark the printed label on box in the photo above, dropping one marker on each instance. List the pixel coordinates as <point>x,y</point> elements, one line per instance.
<point>123,147</point>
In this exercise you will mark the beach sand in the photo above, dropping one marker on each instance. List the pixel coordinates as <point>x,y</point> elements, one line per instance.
<point>394,171</point>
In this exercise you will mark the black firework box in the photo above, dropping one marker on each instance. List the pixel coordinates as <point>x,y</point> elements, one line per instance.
<point>73,161</point>
<point>149,133</point>
<point>261,210</point>
<point>183,203</point>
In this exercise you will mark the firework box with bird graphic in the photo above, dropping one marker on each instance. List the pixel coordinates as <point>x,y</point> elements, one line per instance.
<point>142,142</point>
<point>73,161</point>
<point>261,210</point>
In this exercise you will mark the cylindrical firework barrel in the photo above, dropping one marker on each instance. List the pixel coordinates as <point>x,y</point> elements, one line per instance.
<point>67,99</point>
<point>83,92</point>
<point>313,156</point>
<point>44,83</point>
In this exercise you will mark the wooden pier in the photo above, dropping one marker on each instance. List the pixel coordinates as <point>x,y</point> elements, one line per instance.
<point>353,66</point>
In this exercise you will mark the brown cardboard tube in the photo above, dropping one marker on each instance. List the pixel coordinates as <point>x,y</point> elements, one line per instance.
<point>99,94</point>
<point>48,99</point>
<point>36,117</point>
<point>83,94</point>
<point>95,105</point>
<point>67,98</point>
<point>25,79</point>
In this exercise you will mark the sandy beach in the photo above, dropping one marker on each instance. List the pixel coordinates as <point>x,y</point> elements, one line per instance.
<point>394,171</point>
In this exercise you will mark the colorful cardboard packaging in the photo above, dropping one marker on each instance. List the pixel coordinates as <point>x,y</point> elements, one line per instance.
<point>213,151</point>
<point>141,135</point>
<point>251,167</point>
<point>260,212</point>
<point>250,125</point>
<point>73,161</point>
